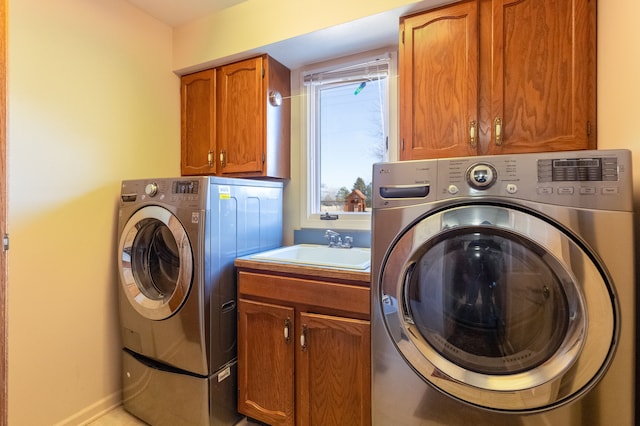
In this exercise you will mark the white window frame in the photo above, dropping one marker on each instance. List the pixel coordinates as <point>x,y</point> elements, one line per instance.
<point>309,149</point>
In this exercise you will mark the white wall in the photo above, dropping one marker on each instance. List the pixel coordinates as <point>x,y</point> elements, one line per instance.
<point>618,82</point>
<point>252,24</point>
<point>92,100</point>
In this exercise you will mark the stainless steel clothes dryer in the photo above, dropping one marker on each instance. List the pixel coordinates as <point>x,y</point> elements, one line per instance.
<point>178,238</point>
<point>503,291</point>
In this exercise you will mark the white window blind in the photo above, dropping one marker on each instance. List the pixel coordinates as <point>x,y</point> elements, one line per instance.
<point>368,71</point>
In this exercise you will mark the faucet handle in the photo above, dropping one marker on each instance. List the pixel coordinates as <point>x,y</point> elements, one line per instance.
<point>329,234</point>
<point>332,236</point>
<point>348,240</point>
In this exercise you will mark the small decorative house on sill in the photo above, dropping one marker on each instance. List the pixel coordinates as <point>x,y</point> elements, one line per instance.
<point>355,202</point>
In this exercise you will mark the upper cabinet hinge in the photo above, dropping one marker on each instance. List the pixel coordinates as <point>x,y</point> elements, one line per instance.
<point>5,242</point>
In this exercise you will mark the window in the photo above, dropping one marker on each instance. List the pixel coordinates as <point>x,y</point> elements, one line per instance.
<point>347,131</point>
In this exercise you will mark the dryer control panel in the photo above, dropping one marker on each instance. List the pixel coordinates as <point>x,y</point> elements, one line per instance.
<point>586,179</point>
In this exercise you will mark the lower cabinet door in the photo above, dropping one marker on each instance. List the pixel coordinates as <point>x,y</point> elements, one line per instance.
<point>333,365</point>
<point>266,362</point>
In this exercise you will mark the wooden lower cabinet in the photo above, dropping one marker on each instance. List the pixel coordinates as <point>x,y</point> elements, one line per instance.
<point>333,371</point>
<point>265,348</point>
<point>300,366</point>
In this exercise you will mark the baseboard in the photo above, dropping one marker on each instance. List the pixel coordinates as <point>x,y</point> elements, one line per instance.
<point>93,411</point>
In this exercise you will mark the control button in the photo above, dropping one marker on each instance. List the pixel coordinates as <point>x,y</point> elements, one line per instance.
<point>453,190</point>
<point>565,190</point>
<point>512,188</point>
<point>610,191</point>
<point>589,190</point>
<point>545,190</point>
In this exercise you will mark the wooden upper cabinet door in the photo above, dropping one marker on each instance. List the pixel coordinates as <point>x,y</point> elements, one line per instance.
<point>438,66</point>
<point>241,117</point>
<point>543,84</point>
<point>198,124</point>
<point>266,362</point>
<point>333,371</point>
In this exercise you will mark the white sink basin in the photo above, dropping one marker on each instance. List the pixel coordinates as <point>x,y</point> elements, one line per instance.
<point>318,255</point>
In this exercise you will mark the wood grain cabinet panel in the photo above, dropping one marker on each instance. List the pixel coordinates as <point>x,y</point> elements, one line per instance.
<point>497,77</point>
<point>301,362</point>
<point>241,116</point>
<point>198,124</point>
<point>439,82</point>
<point>265,352</point>
<point>333,371</point>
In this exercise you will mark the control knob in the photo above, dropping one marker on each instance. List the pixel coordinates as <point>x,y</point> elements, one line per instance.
<point>481,176</point>
<point>151,189</point>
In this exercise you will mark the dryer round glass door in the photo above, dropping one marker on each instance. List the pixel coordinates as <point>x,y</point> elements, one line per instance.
<point>498,307</point>
<point>156,262</point>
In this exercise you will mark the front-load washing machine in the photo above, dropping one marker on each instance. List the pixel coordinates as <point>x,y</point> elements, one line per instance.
<point>178,238</point>
<point>503,291</point>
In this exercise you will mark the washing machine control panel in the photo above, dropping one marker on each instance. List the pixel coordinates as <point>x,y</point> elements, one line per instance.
<point>179,192</point>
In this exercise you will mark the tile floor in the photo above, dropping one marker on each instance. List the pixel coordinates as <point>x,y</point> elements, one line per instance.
<point>119,417</point>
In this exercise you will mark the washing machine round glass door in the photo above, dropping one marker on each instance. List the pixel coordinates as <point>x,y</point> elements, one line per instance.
<point>156,262</point>
<point>498,307</point>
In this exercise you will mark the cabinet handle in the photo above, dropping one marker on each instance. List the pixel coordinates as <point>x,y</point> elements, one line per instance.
<point>222,160</point>
<point>472,134</point>
<point>287,328</point>
<point>498,126</point>
<point>303,338</point>
<point>210,158</point>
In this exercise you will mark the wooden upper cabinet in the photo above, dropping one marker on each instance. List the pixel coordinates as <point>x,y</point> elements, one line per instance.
<point>241,116</point>
<point>439,82</point>
<point>236,120</point>
<point>253,118</point>
<point>198,125</point>
<point>498,77</point>
<point>543,85</point>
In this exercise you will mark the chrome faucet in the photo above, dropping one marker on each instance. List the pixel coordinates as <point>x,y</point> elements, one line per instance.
<point>335,240</point>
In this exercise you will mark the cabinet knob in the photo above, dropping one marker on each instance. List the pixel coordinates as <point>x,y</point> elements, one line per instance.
<point>275,98</point>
